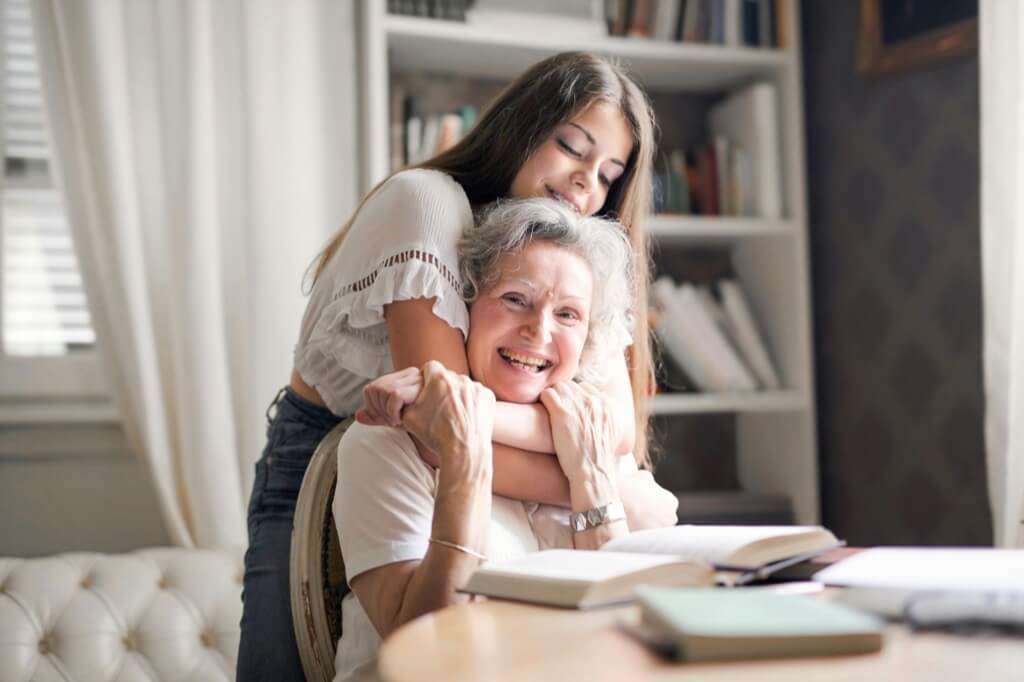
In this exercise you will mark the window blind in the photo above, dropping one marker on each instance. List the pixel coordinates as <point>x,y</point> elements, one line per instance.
<point>42,303</point>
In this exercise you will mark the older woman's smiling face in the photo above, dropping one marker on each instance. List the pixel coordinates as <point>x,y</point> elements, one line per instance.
<point>527,332</point>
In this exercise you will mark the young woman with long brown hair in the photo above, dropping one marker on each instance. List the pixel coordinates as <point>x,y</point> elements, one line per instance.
<point>386,295</point>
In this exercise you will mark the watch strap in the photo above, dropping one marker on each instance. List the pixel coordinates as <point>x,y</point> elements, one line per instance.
<point>592,518</point>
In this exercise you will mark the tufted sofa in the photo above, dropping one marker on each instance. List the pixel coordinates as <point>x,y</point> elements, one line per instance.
<point>154,614</point>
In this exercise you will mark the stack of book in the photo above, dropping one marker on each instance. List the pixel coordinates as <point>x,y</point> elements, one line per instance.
<point>416,137</point>
<point>750,23</point>
<point>451,10</point>
<point>738,172</point>
<point>709,333</point>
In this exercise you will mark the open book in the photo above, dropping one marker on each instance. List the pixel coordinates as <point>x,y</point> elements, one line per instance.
<point>676,556</point>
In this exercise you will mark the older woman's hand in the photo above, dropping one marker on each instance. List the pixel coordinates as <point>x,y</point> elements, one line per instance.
<point>583,432</point>
<point>453,416</point>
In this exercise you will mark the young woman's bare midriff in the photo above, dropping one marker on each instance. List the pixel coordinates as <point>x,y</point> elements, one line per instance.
<point>305,391</point>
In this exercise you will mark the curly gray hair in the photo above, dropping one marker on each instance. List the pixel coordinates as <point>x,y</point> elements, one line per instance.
<point>509,226</point>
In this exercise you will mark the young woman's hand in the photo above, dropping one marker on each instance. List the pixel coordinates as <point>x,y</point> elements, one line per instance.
<point>386,396</point>
<point>647,504</point>
<point>583,432</point>
<point>453,416</point>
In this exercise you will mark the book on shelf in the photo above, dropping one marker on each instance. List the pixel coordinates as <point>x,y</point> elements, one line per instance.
<point>670,376</point>
<point>731,23</point>
<point>677,556</point>
<point>671,189</point>
<point>692,16</point>
<point>727,625</point>
<point>707,191</point>
<point>713,179</point>
<point>751,22</point>
<point>733,20</point>
<point>639,19</point>
<point>749,118</point>
<point>416,137</point>
<point>451,10</point>
<point>696,341</point>
<point>723,174</point>
<point>665,19</point>
<point>743,329</point>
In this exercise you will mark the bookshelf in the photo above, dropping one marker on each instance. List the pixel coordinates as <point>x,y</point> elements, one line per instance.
<point>775,430</point>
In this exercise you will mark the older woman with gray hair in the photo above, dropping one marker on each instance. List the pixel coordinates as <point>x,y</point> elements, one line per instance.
<point>550,297</point>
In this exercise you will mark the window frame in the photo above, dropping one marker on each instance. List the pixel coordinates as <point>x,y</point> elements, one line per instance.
<point>67,388</point>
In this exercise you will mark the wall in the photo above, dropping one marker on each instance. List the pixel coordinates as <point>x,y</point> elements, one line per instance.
<point>66,488</point>
<point>894,214</point>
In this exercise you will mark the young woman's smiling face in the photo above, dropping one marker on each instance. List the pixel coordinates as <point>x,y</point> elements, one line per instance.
<point>580,161</point>
<point>527,331</point>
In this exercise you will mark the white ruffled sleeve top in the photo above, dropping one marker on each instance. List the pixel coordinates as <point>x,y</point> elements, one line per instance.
<point>402,245</point>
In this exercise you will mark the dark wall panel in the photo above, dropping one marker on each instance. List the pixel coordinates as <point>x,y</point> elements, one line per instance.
<point>893,178</point>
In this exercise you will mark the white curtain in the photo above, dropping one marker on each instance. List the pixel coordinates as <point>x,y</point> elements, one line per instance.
<point>1002,239</point>
<point>206,150</point>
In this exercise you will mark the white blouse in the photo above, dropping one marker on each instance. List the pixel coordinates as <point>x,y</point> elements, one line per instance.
<point>402,245</point>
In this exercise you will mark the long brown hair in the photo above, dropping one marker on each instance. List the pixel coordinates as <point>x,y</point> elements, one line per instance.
<point>510,129</point>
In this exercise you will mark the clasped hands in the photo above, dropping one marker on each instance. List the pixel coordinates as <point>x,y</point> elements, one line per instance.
<point>443,409</point>
<point>432,406</point>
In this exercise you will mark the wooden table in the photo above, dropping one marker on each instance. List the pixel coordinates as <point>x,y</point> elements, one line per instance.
<point>497,640</point>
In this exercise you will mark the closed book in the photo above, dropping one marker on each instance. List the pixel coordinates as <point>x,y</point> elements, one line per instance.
<point>749,118</point>
<point>728,625</point>
<point>449,132</point>
<point>640,19</point>
<point>691,21</point>
<point>781,37</point>
<point>745,334</point>
<point>665,18</point>
<point>413,139</point>
<point>766,23</point>
<point>723,174</point>
<point>677,162</point>
<point>676,347</point>
<point>676,556</point>
<point>751,23</point>
<point>716,25</point>
<point>707,178</point>
<point>428,144</point>
<point>725,370</point>
<point>733,24</point>
<point>679,338</point>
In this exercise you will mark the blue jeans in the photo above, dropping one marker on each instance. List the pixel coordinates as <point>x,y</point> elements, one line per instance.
<point>267,649</point>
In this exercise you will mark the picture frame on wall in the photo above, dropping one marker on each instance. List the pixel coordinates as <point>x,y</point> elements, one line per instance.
<point>896,36</point>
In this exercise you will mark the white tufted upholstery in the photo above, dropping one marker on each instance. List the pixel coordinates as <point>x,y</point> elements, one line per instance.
<point>155,614</point>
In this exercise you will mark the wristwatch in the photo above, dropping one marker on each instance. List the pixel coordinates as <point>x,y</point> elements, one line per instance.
<point>592,518</point>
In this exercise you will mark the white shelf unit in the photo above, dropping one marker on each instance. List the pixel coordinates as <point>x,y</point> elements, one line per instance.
<point>776,431</point>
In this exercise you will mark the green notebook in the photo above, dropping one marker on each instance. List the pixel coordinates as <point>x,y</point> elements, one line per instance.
<point>701,624</point>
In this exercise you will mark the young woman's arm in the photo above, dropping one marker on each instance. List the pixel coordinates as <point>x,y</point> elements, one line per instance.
<point>528,426</point>
<point>417,335</point>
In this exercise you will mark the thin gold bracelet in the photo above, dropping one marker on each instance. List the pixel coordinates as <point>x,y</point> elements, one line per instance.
<point>460,548</point>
